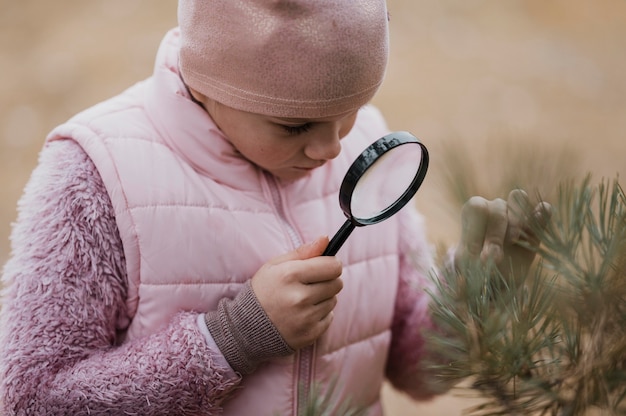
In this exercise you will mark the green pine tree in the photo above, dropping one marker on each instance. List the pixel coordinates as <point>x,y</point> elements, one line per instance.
<point>552,342</point>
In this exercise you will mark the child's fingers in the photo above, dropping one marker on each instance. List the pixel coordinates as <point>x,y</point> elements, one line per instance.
<point>542,214</point>
<point>539,218</point>
<point>525,221</point>
<point>484,225</point>
<point>474,217</point>
<point>306,251</point>
<point>321,292</point>
<point>519,209</point>
<point>495,231</point>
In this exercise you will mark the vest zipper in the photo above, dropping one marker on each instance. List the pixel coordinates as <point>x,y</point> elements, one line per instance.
<point>278,204</point>
<point>304,357</point>
<point>305,379</point>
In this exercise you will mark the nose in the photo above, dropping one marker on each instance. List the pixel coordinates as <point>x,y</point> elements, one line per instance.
<point>324,145</point>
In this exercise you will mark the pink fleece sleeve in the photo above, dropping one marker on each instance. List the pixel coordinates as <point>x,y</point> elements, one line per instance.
<point>65,290</point>
<point>406,367</point>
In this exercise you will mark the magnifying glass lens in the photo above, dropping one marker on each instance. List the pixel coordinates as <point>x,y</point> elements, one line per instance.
<point>385,181</point>
<point>380,182</point>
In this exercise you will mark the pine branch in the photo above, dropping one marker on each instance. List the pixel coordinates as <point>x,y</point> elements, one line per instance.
<point>556,343</point>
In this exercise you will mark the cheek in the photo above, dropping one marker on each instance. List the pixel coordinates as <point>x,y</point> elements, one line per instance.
<point>281,152</point>
<point>267,152</point>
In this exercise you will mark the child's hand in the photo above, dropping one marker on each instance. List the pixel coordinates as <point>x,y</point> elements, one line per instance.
<point>494,229</point>
<point>298,292</point>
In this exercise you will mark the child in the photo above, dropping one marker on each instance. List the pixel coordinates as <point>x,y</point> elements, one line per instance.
<point>167,254</point>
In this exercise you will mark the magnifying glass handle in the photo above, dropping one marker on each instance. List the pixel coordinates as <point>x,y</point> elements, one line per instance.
<point>337,241</point>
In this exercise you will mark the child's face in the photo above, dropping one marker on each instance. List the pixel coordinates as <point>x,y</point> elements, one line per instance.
<point>287,148</point>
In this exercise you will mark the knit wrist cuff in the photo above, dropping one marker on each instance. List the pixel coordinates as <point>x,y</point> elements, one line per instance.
<point>244,333</point>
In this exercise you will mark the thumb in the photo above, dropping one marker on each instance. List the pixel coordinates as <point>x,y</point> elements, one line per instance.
<point>306,251</point>
<point>313,249</point>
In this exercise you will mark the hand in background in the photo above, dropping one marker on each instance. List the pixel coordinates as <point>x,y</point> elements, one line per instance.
<point>493,230</point>
<point>298,291</point>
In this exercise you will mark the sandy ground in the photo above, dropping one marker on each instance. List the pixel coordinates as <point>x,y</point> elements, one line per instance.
<point>546,78</point>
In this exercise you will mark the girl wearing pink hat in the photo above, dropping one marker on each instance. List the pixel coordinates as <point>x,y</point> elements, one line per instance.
<point>167,255</point>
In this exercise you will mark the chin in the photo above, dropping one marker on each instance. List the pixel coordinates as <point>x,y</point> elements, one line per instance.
<point>292,175</point>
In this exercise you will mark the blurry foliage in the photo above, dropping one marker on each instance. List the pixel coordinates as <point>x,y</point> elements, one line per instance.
<point>556,344</point>
<point>503,165</point>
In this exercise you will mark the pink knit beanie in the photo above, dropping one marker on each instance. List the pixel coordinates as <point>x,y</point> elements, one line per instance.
<point>284,58</point>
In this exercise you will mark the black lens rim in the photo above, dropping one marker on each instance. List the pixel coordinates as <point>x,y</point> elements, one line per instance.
<point>366,160</point>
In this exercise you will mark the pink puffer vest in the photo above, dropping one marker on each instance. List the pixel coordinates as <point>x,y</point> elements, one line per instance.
<point>197,221</point>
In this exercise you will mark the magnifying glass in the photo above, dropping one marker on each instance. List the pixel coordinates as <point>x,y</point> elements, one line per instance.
<point>379,183</point>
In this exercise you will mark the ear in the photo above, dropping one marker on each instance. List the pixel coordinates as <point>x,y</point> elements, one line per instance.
<point>196,95</point>
<point>205,102</point>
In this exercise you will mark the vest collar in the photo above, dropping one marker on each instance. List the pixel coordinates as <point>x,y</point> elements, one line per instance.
<point>187,128</point>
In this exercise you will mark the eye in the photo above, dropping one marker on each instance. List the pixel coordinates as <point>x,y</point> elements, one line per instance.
<point>295,130</point>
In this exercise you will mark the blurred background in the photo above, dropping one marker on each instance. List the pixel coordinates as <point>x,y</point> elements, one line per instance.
<point>512,92</point>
